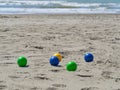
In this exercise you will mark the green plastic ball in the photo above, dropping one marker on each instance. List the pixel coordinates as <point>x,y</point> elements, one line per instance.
<point>71,66</point>
<point>22,61</point>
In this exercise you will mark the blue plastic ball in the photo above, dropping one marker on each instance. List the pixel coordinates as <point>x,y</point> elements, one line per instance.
<point>54,61</point>
<point>88,57</point>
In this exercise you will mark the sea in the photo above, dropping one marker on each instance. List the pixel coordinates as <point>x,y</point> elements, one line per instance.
<point>59,6</point>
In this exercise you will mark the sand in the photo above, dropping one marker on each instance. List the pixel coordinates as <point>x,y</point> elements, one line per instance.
<point>38,37</point>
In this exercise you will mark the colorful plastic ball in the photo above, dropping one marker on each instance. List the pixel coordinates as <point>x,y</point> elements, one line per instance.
<point>88,57</point>
<point>71,66</point>
<point>54,61</point>
<point>22,61</point>
<point>59,56</point>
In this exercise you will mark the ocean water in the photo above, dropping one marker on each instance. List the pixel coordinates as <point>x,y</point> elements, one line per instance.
<point>59,6</point>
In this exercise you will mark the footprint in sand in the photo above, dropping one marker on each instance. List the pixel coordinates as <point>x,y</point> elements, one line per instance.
<point>49,38</point>
<point>117,38</point>
<point>107,74</point>
<point>55,70</point>
<point>3,16</point>
<point>9,63</point>
<point>1,81</point>
<point>35,88</point>
<point>117,80</point>
<point>38,47</point>
<point>67,53</point>
<point>5,30</point>
<point>14,78</point>
<point>41,78</point>
<point>81,75</point>
<point>59,85</point>
<point>51,88</point>
<point>19,76</point>
<point>90,88</point>
<point>2,87</point>
<point>99,62</point>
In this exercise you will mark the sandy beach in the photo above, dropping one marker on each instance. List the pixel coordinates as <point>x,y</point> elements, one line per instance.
<point>38,37</point>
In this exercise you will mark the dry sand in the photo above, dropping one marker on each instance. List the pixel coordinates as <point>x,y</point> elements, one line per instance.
<point>38,37</point>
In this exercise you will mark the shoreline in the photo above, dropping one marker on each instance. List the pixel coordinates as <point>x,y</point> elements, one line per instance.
<point>65,14</point>
<point>59,15</point>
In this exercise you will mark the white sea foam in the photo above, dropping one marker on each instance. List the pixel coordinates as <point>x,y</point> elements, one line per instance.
<point>53,6</point>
